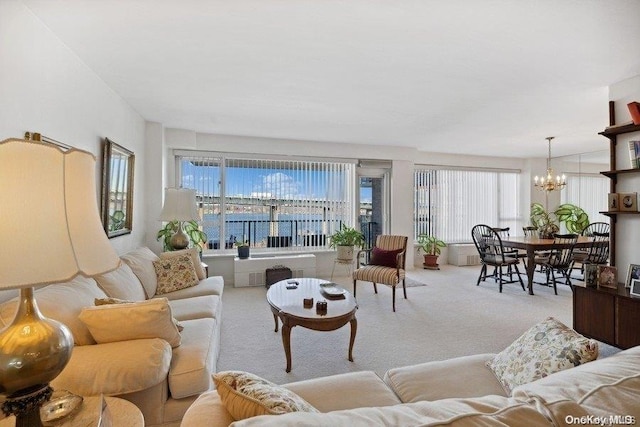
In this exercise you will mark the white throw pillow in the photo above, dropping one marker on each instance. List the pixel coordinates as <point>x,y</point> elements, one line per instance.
<point>122,283</point>
<point>141,262</point>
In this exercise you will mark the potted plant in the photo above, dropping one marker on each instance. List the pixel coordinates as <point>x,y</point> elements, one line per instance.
<point>544,221</point>
<point>344,240</point>
<point>431,246</point>
<point>243,248</point>
<point>196,236</point>
<point>573,216</point>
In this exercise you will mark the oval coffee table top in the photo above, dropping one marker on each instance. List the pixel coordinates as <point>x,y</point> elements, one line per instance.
<point>290,301</point>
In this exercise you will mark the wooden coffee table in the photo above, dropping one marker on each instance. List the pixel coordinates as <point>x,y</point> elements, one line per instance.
<point>287,304</point>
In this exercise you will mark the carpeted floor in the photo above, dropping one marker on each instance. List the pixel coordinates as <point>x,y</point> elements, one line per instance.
<point>447,316</point>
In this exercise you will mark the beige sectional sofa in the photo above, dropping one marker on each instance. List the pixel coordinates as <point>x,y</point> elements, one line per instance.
<point>162,381</point>
<point>456,392</point>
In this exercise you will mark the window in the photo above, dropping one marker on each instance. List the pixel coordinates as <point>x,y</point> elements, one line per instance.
<point>589,192</point>
<point>449,202</point>
<point>271,202</point>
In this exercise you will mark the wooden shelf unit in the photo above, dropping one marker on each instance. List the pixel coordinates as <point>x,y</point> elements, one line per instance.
<point>610,315</point>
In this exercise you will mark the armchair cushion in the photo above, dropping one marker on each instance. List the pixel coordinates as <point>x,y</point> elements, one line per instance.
<point>246,395</point>
<point>548,347</point>
<point>379,274</point>
<point>115,368</point>
<point>385,258</point>
<point>175,273</point>
<point>123,322</point>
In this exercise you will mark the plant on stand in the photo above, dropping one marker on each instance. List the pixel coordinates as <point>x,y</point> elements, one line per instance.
<point>431,246</point>
<point>197,237</point>
<point>344,240</point>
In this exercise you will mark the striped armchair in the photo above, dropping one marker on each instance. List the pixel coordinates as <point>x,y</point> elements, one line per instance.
<point>386,265</point>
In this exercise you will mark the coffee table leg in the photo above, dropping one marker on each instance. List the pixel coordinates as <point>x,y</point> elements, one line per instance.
<point>286,342</point>
<point>275,318</point>
<point>354,328</point>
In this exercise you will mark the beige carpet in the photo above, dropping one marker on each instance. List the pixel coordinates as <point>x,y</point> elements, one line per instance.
<point>450,316</point>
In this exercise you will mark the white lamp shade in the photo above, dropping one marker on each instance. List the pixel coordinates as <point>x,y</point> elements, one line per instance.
<point>49,219</point>
<point>179,205</point>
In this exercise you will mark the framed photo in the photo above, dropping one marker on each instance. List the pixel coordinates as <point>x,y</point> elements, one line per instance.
<point>591,275</point>
<point>607,277</point>
<point>614,204</point>
<point>633,273</point>
<point>635,288</point>
<point>628,202</point>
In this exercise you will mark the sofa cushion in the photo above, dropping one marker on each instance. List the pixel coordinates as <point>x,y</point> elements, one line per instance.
<point>175,273</point>
<point>63,302</point>
<point>110,300</point>
<point>194,361</point>
<point>602,385</point>
<point>548,347</point>
<point>122,322</point>
<point>141,262</point>
<point>122,283</point>
<point>115,368</point>
<point>195,258</point>
<point>208,406</point>
<point>210,286</point>
<point>345,391</point>
<point>197,307</point>
<point>484,411</point>
<point>461,377</point>
<point>247,395</point>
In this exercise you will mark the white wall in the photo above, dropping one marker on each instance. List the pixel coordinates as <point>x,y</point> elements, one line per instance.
<point>45,88</point>
<point>627,226</point>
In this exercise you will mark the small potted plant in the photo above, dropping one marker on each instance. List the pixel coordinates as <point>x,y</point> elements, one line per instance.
<point>243,248</point>
<point>344,240</point>
<point>431,246</point>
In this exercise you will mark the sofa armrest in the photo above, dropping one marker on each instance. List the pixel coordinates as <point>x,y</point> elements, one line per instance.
<point>115,368</point>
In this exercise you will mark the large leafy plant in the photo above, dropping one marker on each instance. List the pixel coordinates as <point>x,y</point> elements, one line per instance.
<point>544,221</point>
<point>190,228</point>
<point>573,217</point>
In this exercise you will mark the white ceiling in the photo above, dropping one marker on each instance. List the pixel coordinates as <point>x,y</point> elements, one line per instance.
<point>490,77</point>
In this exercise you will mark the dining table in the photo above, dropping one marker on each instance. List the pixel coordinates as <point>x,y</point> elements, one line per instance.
<point>534,244</point>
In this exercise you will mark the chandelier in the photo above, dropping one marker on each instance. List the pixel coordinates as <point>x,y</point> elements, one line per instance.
<point>550,182</point>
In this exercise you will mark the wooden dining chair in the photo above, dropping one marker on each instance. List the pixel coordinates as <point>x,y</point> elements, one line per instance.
<point>386,265</point>
<point>559,260</point>
<point>492,254</point>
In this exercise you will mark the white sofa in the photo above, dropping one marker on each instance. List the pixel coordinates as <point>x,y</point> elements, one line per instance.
<point>456,392</point>
<point>162,381</point>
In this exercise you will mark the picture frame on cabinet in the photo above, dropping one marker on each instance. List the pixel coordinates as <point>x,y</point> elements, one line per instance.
<point>628,202</point>
<point>632,274</point>
<point>614,202</point>
<point>635,288</point>
<point>591,275</point>
<point>607,277</point>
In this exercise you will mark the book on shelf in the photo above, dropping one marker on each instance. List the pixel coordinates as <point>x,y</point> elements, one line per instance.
<point>634,110</point>
<point>634,154</point>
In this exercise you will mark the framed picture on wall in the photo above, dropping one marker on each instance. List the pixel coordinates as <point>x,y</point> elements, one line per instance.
<point>628,202</point>
<point>614,204</point>
<point>632,274</point>
<point>607,277</point>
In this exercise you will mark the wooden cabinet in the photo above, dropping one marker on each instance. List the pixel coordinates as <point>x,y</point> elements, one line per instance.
<point>608,315</point>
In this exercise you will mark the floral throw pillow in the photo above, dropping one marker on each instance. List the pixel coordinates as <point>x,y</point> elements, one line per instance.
<point>246,395</point>
<point>175,273</point>
<point>548,347</point>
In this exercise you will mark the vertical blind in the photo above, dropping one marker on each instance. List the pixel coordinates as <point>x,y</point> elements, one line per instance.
<point>448,203</point>
<point>270,202</point>
<point>589,192</point>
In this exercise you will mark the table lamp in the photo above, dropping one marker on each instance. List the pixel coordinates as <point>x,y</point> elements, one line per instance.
<point>48,204</point>
<point>179,205</point>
